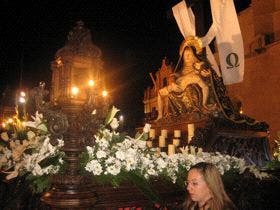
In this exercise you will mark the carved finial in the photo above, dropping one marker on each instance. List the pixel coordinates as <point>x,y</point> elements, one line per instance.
<point>80,23</point>
<point>79,34</point>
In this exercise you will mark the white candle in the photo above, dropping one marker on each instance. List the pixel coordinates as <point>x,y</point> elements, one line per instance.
<point>190,132</point>
<point>161,141</point>
<point>177,133</point>
<point>192,150</point>
<point>176,142</point>
<point>152,133</point>
<point>164,133</point>
<point>199,152</point>
<point>171,149</point>
<point>149,144</point>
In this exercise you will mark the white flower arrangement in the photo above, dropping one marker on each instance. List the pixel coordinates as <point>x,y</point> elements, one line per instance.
<point>27,150</point>
<point>113,158</point>
<point>114,155</point>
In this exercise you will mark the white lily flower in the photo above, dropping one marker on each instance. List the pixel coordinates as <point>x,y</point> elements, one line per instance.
<point>112,114</point>
<point>30,135</point>
<point>4,136</point>
<point>114,123</point>
<point>94,112</point>
<point>147,128</point>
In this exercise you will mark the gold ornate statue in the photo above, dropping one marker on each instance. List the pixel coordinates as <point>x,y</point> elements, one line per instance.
<point>190,91</point>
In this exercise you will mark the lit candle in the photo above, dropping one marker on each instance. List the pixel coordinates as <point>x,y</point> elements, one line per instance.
<point>104,93</point>
<point>164,133</point>
<point>149,144</point>
<point>171,149</point>
<point>190,132</point>
<point>176,142</point>
<point>161,141</point>
<point>91,83</point>
<point>177,133</point>
<point>74,91</point>
<point>152,133</point>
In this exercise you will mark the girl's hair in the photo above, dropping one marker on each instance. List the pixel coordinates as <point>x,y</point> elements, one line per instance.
<point>212,177</point>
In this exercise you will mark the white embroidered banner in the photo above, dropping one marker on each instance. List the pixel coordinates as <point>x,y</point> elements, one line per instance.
<point>229,40</point>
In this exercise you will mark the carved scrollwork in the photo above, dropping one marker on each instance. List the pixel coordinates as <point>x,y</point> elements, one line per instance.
<point>57,124</point>
<point>90,122</point>
<point>56,121</point>
<point>252,149</point>
<point>76,180</point>
<point>240,140</point>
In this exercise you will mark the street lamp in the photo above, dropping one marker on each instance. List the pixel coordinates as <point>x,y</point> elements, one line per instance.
<point>21,100</point>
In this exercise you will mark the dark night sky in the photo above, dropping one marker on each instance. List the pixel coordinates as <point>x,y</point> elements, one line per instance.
<point>134,36</point>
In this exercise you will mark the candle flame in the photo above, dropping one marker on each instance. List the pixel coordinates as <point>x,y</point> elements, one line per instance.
<point>75,90</point>
<point>91,83</point>
<point>104,93</point>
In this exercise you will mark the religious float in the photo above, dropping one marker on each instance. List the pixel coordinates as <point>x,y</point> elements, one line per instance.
<point>71,154</point>
<point>195,107</point>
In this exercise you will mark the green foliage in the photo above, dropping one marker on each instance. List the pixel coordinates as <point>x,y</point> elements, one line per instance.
<point>52,160</point>
<point>84,157</point>
<point>109,179</point>
<point>39,184</point>
<point>273,165</point>
<point>144,185</point>
<point>181,176</point>
<point>21,135</point>
<point>117,138</point>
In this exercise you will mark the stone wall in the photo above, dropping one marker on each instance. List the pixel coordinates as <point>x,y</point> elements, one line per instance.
<point>259,92</point>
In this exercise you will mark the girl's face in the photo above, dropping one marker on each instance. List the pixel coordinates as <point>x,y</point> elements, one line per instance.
<point>197,187</point>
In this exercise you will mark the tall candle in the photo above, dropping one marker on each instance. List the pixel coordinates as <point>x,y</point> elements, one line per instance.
<point>199,152</point>
<point>164,133</point>
<point>190,132</point>
<point>161,141</point>
<point>176,142</point>
<point>171,149</point>
<point>177,133</point>
<point>152,133</point>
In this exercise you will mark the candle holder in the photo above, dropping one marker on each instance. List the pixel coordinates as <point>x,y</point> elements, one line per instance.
<point>75,111</point>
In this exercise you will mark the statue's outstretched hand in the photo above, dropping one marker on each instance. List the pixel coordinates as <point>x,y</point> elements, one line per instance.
<point>205,72</point>
<point>201,70</point>
<point>198,65</point>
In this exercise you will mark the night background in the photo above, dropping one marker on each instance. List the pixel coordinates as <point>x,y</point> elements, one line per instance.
<point>134,37</point>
